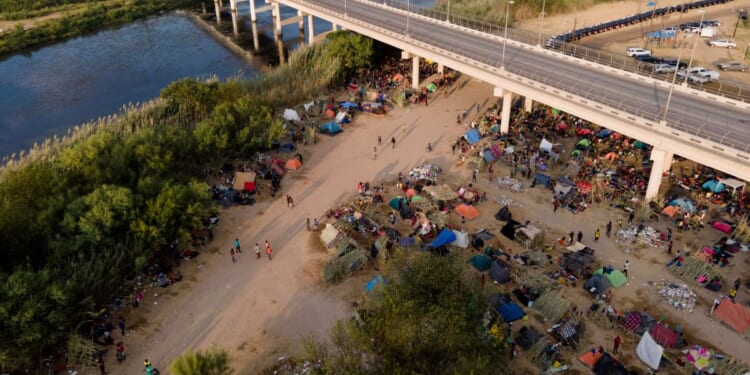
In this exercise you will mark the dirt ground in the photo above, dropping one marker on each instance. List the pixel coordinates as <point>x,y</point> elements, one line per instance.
<point>632,36</point>
<point>259,310</point>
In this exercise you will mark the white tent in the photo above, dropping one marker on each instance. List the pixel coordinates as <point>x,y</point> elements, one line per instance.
<point>545,145</point>
<point>308,105</point>
<point>329,235</point>
<point>340,117</point>
<point>733,183</point>
<point>530,231</point>
<point>576,247</point>
<point>462,239</point>
<point>291,115</point>
<point>649,351</point>
<point>509,150</point>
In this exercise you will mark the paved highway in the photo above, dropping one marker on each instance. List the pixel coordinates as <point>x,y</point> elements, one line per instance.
<point>719,122</point>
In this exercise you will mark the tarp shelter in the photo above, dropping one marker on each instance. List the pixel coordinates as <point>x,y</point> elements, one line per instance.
<point>244,181</point>
<point>649,351</point>
<point>590,358</point>
<point>584,143</point>
<point>462,239</point>
<point>467,211</point>
<point>608,365</point>
<point>503,214</point>
<point>638,322</point>
<point>341,117</point>
<point>329,113</point>
<point>481,262</point>
<point>578,262</point>
<point>374,282</point>
<point>410,193</point>
<point>698,356</point>
<point>543,179</point>
<point>510,311</point>
<point>473,136</point>
<point>348,105</point>
<point>417,198</point>
<point>431,87</point>
<point>640,145</point>
<point>665,336</point>
<point>509,229</point>
<point>443,238</point>
<point>527,337</point>
<point>685,204</point>
<point>722,227</point>
<point>396,202</point>
<point>499,272</point>
<point>329,235</point>
<point>488,155</point>
<point>331,127</point>
<point>713,186</point>
<point>576,247</point>
<point>671,211</point>
<point>440,192</point>
<point>597,284</point>
<point>616,277</point>
<point>562,190</point>
<point>733,314</point>
<point>545,145</point>
<point>611,156</point>
<point>291,115</point>
<point>604,133</point>
<point>733,183</point>
<point>293,164</point>
<point>530,231</point>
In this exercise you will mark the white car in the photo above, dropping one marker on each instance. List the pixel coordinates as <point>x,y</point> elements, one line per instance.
<point>688,72</point>
<point>633,52</point>
<point>664,68</point>
<point>722,43</point>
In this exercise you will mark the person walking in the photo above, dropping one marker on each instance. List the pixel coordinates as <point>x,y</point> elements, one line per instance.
<point>380,140</point>
<point>631,216</point>
<point>231,253</point>
<point>579,236</point>
<point>555,205</point>
<point>489,171</point>
<point>625,267</point>
<point>121,325</point>
<point>375,153</point>
<point>289,201</point>
<point>609,229</point>
<point>308,224</point>
<point>257,251</point>
<point>315,224</point>
<point>596,235</point>
<point>474,175</point>
<point>269,252</point>
<point>237,245</point>
<point>669,248</point>
<point>570,235</point>
<point>393,142</point>
<point>616,344</point>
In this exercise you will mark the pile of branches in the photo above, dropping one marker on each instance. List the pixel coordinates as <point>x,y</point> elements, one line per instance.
<point>552,305</point>
<point>694,267</point>
<point>341,267</point>
<point>728,366</point>
<point>532,277</point>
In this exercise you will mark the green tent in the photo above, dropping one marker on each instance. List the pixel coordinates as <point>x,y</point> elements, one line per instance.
<point>616,277</point>
<point>555,111</point>
<point>417,198</point>
<point>575,153</point>
<point>396,202</point>
<point>584,142</point>
<point>431,87</point>
<point>640,145</point>
<point>481,262</point>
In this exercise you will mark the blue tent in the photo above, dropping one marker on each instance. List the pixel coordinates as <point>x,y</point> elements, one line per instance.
<point>510,311</point>
<point>348,105</point>
<point>472,136</point>
<point>331,127</point>
<point>481,262</point>
<point>543,179</point>
<point>372,283</point>
<point>445,237</point>
<point>604,133</point>
<point>396,202</point>
<point>685,205</point>
<point>714,186</point>
<point>488,156</point>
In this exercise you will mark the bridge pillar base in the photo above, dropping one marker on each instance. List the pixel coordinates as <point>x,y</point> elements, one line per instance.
<point>660,164</point>
<point>507,103</point>
<point>528,104</point>
<point>276,22</point>
<point>414,71</point>
<point>310,30</point>
<point>233,7</point>
<point>217,9</point>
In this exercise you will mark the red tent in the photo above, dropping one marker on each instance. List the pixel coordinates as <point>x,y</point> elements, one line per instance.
<point>733,315</point>
<point>664,335</point>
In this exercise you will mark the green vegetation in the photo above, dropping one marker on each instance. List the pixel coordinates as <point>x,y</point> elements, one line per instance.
<point>211,362</point>
<point>94,17</point>
<point>82,214</point>
<point>494,11</point>
<point>427,318</point>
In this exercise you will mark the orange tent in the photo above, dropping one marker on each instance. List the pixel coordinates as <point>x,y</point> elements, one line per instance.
<point>733,315</point>
<point>469,212</point>
<point>611,156</point>
<point>292,164</point>
<point>589,358</point>
<point>671,210</point>
<point>330,113</point>
<point>410,193</point>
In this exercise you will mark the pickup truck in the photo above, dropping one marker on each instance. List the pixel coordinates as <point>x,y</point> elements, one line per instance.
<point>704,77</point>
<point>732,65</point>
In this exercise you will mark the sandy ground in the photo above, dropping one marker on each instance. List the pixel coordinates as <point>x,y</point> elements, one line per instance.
<point>632,36</point>
<point>259,310</point>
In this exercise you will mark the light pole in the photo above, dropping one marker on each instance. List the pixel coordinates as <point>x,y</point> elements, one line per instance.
<point>692,54</point>
<point>448,16</point>
<point>541,20</point>
<point>505,34</point>
<point>674,76</point>
<point>408,10</point>
<point>345,12</point>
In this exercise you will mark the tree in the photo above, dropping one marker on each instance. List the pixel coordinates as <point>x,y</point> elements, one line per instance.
<point>190,98</point>
<point>211,362</point>
<point>355,51</point>
<point>426,319</point>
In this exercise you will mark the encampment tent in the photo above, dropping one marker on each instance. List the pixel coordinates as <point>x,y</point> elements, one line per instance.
<point>543,179</point>
<point>244,181</point>
<point>509,229</point>
<point>590,358</point>
<point>616,277</point>
<point>666,336</point>
<point>597,284</point>
<point>545,145</point>
<point>649,351</point>
<point>499,272</point>
<point>462,239</point>
<point>713,186</point>
<point>530,231</point>
<point>473,136</point>
<point>329,235</point>
<point>396,202</point>
<point>510,311</point>
<point>481,262</point>
<point>467,211</point>
<point>503,214</point>
<point>331,128</point>
<point>374,282</point>
<point>733,315</point>
<point>293,164</point>
<point>527,337</point>
<point>445,237</point>
<point>291,115</point>
<point>608,365</point>
<point>431,87</point>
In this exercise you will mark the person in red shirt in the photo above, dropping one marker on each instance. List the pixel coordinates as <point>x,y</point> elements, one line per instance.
<point>616,346</point>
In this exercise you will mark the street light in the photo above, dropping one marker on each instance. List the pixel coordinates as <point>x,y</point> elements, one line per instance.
<point>541,20</point>
<point>448,16</point>
<point>692,54</point>
<point>671,88</point>
<point>408,10</point>
<point>505,34</point>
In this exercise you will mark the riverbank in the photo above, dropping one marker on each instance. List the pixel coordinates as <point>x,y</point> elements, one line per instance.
<point>220,37</point>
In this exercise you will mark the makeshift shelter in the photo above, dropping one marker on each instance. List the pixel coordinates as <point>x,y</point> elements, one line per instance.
<point>418,198</point>
<point>341,117</point>
<point>244,181</point>
<point>545,145</point>
<point>733,183</point>
<point>604,133</point>
<point>590,358</point>
<point>443,238</point>
<point>666,336</point>
<point>698,356</point>
<point>615,277</point>
<point>293,164</point>
<point>638,322</point>
<point>583,143</point>
<point>527,337</point>
<point>649,351</point>
<point>467,211</point>
<point>671,211</point>
<point>509,229</point>
<point>348,105</point>
<point>733,314</point>
<point>568,331</point>
<point>462,239</point>
<point>291,115</point>
<point>611,156</point>
<point>472,136</point>
<point>714,186</point>
<point>503,214</point>
<point>330,128</point>
<point>374,282</point>
<point>510,311</point>
<point>530,231</point>
<point>431,87</point>
<point>597,284</point>
<point>685,204</point>
<point>481,262</point>
<point>578,263</point>
<point>500,272</point>
<point>396,202</point>
<point>576,247</point>
<point>722,226</point>
<point>543,179</point>
<point>410,193</point>
<point>440,192</point>
<point>608,365</point>
<point>561,190</point>
<point>330,235</point>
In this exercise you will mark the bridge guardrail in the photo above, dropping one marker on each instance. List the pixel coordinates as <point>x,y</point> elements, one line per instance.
<point>728,89</point>
<point>653,116</point>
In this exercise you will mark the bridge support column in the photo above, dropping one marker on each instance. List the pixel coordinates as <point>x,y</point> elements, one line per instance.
<point>256,40</point>
<point>276,22</point>
<point>217,8</point>
<point>507,103</point>
<point>253,13</point>
<point>414,71</point>
<point>660,164</point>
<point>441,69</point>
<point>233,8</point>
<point>528,104</point>
<point>301,24</point>
<point>310,30</point>
<point>668,158</point>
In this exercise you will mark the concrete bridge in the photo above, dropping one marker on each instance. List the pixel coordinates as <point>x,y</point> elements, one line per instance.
<point>674,119</point>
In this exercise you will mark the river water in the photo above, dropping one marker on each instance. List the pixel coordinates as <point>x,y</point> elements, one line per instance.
<point>46,91</point>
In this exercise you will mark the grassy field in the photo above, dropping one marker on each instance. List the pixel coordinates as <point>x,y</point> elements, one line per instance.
<point>494,11</point>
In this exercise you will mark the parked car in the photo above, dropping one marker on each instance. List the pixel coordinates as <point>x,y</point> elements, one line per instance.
<point>722,43</point>
<point>670,29</point>
<point>633,52</point>
<point>664,68</point>
<point>703,77</point>
<point>648,59</point>
<point>688,72</point>
<point>688,25</point>
<point>673,62</point>
<point>712,23</point>
<point>732,65</point>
